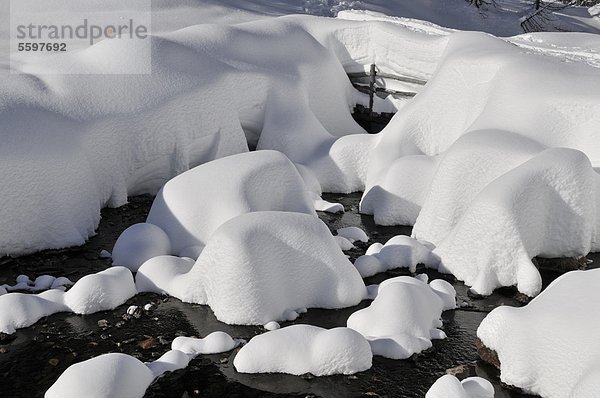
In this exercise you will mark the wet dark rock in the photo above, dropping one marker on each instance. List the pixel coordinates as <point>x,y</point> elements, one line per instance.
<point>147,343</point>
<point>562,264</point>
<point>487,354</point>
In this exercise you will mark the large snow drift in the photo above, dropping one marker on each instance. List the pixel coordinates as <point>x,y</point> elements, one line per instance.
<point>550,347</point>
<point>404,317</point>
<point>300,349</point>
<point>261,267</point>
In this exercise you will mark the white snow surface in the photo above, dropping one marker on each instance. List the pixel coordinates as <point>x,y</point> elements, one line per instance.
<point>287,262</point>
<point>191,206</point>
<point>102,291</point>
<point>123,376</point>
<point>353,234</point>
<point>404,317</point>
<point>108,375</point>
<point>550,347</point>
<point>448,386</point>
<point>300,349</point>
<point>398,252</point>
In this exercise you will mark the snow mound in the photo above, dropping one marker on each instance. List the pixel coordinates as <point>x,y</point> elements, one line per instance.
<point>300,349</point>
<point>547,206</point>
<point>138,243</point>
<point>471,387</point>
<point>108,375</point>
<point>399,252</point>
<point>288,261</point>
<point>343,243</point>
<point>191,206</point>
<point>545,357</point>
<point>353,234</point>
<point>403,318</point>
<point>105,290</point>
<point>214,343</point>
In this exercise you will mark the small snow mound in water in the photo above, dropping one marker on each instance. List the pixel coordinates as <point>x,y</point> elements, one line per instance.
<point>399,252</point>
<point>214,343</point>
<point>108,375</point>
<point>449,386</point>
<point>343,243</point>
<point>555,332</point>
<point>403,318</point>
<point>287,261</point>
<point>138,243</point>
<point>353,234</point>
<point>104,290</point>
<point>301,349</point>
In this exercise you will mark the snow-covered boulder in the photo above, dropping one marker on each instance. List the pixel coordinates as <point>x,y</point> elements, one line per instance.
<point>403,318</point>
<point>108,375</point>
<point>300,349</point>
<point>449,386</point>
<point>548,206</point>
<point>287,262</point>
<point>214,343</point>
<point>550,347</point>
<point>102,291</point>
<point>19,310</point>
<point>191,206</point>
<point>398,252</point>
<point>353,234</point>
<point>138,243</point>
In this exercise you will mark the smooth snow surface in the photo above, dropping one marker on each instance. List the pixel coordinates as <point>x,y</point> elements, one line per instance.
<point>404,317</point>
<point>353,234</point>
<point>191,206</point>
<point>399,252</point>
<point>288,261</point>
<point>102,291</point>
<point>120,375</point>
<point>449,386</point>
<point>300,349</point>
<point>550,346</point>
<point>108,375</point>
<point>138,243</point>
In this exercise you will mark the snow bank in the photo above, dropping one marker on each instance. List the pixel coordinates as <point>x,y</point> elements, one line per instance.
<point>105,290</point>
<point>300,349</point>
<point>288,261</point>
<point>471,387</point>
<point>403,318</point>
<point>550,347</point>
<point>399,252</point>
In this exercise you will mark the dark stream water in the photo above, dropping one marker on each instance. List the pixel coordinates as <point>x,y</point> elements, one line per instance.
<point>33,358</point>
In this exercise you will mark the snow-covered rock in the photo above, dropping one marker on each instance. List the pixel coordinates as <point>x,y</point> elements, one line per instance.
<point>300,349</point>
<point>353,234</point>
<point>449,386</point>
<point>104,290</point>
<point>343,243</point>
<point>403,318</point>
<point>288,261</point>
<point>138,243</point>
<point>550,347</point>
<point>108,375</point>
<point>191,206</point>
<point>214,343</point>
<point>398,252</point>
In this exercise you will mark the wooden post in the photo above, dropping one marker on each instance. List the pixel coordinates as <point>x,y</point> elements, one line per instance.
<point>372,75</point>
